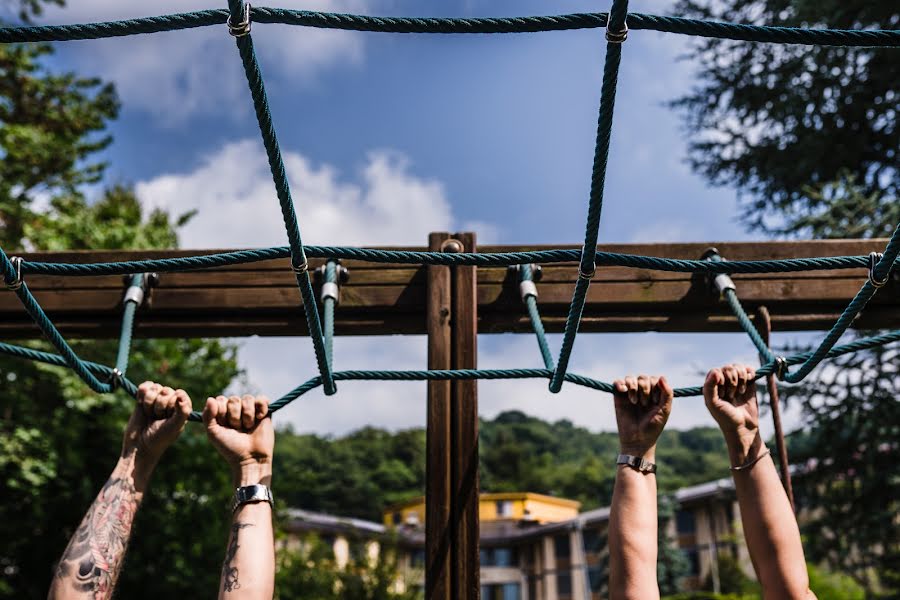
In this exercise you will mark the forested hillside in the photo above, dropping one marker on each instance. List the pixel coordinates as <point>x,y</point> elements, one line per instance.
<point>362,472</point>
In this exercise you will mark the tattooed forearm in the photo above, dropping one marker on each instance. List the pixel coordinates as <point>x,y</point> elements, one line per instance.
<point>230,580</point>
<point>93,559</point>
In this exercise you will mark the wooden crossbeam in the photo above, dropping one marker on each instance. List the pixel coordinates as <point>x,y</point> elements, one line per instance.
<point>262,299</point>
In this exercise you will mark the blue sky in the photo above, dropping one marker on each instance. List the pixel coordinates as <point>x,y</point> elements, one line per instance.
<point>387,137</point>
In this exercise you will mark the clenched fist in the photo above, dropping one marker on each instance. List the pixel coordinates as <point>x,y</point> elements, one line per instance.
<point>643,405</point>
<point>242,432</point>
<point>156,421</point>
<point>730,395</point>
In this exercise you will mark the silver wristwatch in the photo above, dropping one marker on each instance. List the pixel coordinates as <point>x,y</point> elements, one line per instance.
<point>250,494</point>
<point>637,463</point>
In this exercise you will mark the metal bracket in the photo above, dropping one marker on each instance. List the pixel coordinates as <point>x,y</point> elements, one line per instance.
<point>17,265</point>
<point>721,281</point>
<point>527,287</point>
<point>874,259</point>
<point>243,27</point>
<point>331,289</point>
<point>138,293</point>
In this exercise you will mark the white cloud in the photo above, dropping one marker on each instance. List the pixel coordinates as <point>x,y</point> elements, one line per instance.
<point>180,74</point>
<point>234,194</point>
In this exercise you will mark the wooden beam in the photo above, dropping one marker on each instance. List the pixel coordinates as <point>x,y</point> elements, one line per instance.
<point>464,429</point>
<point>261,298</point>
<point>438,435</point>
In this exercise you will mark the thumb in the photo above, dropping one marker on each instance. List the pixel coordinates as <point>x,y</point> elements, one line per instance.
<point>714,379</point>
<point>209,415</point>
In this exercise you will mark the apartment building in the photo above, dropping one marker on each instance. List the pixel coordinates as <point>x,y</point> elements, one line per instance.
<point>538,547</point>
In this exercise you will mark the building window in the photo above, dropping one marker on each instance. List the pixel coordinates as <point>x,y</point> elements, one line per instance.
<point>594,540</point>
<point>504,509</point>
<point>684,522</point>
<point>498,557</point>
<point>564,583</point>
<point>417,560</point>
<point>397,518</point>
<point>693,558</point>
<point>501,591</point>
<point>561,546</point>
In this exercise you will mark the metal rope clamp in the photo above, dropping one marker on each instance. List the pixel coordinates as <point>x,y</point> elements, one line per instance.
<point>243,28</point>
<point>617,37</point>
<point>527,287</point>
<point>780,367</point>
<point>874,259</point>
<point>301,268</point>
<point>586,275</point>
<point>721,281</point>
<point>331,289</point>
<point>137,293</point>
<point>18,281</point>
<point>115,379</point>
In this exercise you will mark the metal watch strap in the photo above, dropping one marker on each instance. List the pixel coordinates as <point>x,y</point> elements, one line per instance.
<point>251,494</point>
<point>638,463</point>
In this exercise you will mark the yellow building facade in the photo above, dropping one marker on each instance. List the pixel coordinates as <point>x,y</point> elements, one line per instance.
<point>517,506</point>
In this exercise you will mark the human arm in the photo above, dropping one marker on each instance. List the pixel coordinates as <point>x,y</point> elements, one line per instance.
<point>771,531</point>
<point>242,432</point>
<point>643,405</point>
<point>91,563</point>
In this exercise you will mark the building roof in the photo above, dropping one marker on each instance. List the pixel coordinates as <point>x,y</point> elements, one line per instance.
<point>299,519</point>
<point>493,533</point>
<point>494,497</point>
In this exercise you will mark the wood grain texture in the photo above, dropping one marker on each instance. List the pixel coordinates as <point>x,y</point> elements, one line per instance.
<point>261,298</point>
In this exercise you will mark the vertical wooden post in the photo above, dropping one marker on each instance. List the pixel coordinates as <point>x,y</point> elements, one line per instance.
<point>464,413</point>
<point>438,580</point>
<point>763,324</point>
<point>451,498</point>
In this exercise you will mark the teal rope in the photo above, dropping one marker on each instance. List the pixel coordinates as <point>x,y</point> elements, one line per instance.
<point>487,259</point>
<point>525,274</point>
<point>587,266</point>
<point>131,307</point>
<point>330,276</point>
<point>49,330</point>
<point>283,190</point>
<point>666,24</point>
<point>853,309</point>
<point>743,319</point>
<point>747,325</point>
<point>454,375</point>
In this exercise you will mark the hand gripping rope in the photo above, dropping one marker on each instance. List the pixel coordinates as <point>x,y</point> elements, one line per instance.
<point>238,20</point>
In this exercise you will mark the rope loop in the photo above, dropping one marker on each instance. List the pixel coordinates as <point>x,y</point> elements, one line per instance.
<point>16,262</point>
<point>617,37</point>
<point>243,27</point>
<point>874,259</point>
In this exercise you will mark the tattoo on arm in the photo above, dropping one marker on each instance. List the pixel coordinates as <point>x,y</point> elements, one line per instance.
<point>229,571</point>
<point>93,559</point>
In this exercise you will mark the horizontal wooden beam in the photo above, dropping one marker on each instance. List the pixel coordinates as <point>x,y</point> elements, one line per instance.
<point>262,298</point>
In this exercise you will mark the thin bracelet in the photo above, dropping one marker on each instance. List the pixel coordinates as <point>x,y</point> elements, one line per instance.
<point>752,462</point>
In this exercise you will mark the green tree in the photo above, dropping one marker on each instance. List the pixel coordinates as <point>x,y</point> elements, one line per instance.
<point>802,132</point>
<point>51,127</point>
<point>809,137</point>
<point>59,440</point>
<point>308,570</point>
<point>671,564</point>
